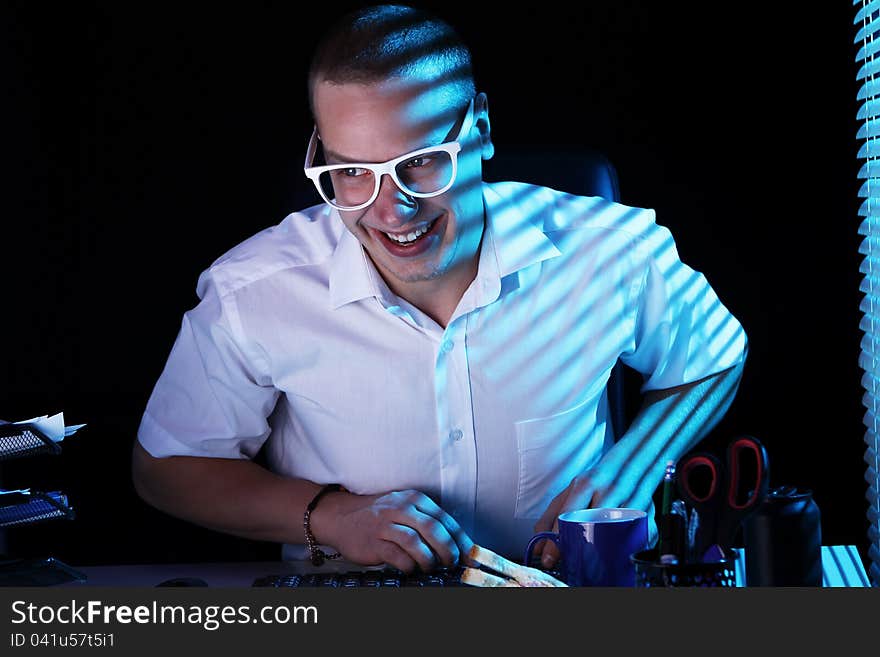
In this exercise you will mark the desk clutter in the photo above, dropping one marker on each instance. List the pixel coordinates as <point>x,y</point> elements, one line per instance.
<point>23,506</point>
<point>841,567</point>
<point>39,435</point>
<point>708,502</point>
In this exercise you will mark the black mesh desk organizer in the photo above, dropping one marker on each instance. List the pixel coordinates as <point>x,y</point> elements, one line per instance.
<point>26,507</point>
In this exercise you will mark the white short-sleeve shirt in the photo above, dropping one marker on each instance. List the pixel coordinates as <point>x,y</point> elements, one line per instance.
<point>298,341</point>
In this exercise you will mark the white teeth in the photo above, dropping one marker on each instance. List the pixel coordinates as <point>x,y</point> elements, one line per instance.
<point>411,237</point>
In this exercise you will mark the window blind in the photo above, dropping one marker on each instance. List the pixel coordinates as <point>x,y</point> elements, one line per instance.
<point>867,22</point>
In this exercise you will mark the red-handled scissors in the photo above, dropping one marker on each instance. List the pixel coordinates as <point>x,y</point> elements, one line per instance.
<point>724,495</point>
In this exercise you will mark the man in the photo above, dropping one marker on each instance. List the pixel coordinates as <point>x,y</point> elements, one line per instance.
<point>435,348</point>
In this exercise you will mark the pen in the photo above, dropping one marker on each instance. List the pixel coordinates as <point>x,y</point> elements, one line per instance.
<point>679,530</point>
<point>693,525</point>
<point>665,548</point>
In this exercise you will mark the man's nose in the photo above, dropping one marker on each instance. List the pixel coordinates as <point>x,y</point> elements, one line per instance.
<point>393,205</point>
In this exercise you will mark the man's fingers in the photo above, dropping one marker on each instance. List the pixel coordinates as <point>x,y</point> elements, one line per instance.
<point>423,530</point>
<point>462,542</point>
<point>437,536</point>
<point>578,494</point>
<point>410,541</point>
<point>549,555</point>
<point>393,555</point>
<point>548,518</point>
<point>465,549</point>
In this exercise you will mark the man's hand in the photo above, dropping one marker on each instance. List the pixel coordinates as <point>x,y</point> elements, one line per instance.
<point>404,529</point>
<point>586,491</point>
<point>669,423</point>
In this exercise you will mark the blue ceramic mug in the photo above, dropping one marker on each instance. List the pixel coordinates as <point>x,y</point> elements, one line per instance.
<point>595,545</point>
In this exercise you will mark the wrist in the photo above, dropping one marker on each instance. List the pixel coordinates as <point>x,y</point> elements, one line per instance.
<point>318,520</point>
<point>325,517</point>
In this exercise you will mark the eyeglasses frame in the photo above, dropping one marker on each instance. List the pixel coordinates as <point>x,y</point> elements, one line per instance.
<point>390,167</point>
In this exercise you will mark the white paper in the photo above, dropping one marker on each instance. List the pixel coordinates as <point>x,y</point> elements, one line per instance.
<point>53,426</point>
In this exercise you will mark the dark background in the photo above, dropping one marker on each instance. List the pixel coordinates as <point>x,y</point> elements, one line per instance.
<point>141,142</point>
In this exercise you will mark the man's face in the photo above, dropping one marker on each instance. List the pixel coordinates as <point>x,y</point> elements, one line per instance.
<point>377,122</point>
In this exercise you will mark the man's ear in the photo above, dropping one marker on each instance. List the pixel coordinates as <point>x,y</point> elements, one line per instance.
<point>481,122</point>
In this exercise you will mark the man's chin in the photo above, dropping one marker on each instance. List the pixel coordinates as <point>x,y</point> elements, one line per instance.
<point>423,269</point>
<point>416,276</point>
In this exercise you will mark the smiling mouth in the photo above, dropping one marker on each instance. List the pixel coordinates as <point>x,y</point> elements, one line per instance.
<point>407,239</point>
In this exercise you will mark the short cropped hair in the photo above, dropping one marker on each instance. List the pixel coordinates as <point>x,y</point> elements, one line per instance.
<point>378,43</point>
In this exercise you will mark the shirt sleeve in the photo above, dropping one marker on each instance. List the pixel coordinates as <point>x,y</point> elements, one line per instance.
<point>682,330</point>
<point>213,397</point>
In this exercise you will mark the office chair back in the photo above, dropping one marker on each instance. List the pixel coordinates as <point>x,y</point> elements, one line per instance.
<point>585,172</point>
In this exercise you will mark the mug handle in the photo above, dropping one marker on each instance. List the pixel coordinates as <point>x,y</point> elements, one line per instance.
<point>527,557</point>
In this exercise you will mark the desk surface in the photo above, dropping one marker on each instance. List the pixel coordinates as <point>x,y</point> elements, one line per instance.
<point>231,574</point>
<point>841,566</point>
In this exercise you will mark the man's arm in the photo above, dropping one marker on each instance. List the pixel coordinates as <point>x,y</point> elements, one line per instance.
<point>668,425</point>
<point>401,528</point>
<point>229,495</point>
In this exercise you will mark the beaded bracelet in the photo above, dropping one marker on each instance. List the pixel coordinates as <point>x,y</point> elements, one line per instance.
<point>317,554</point>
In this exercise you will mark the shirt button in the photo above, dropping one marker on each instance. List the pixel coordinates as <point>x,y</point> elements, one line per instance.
<point>456,434</point>
<point>447,346</point>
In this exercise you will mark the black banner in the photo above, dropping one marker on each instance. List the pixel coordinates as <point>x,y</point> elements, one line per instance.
<point>138,621</point>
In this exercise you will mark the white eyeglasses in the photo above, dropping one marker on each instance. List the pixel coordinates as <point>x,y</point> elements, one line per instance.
<point>422,173</point>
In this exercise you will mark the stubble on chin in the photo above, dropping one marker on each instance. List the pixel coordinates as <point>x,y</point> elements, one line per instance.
<point>428,272</point>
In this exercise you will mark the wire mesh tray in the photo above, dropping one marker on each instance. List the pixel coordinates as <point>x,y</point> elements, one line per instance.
<point>20,440</point>
<point>24,507</point>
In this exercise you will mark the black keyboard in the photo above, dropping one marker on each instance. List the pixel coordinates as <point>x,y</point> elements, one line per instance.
<point>370,578</point>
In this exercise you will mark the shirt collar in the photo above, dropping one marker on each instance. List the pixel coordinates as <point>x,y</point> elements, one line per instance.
<point>511,242</point>
<point>350,275</point>
<point>513,219</point>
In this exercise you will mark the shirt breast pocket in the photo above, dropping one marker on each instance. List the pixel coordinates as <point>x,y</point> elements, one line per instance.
<point>552,450</point>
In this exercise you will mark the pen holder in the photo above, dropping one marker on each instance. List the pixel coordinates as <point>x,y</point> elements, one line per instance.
<point>652,573</point>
